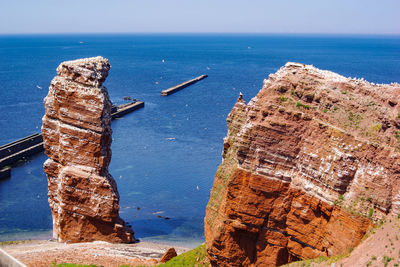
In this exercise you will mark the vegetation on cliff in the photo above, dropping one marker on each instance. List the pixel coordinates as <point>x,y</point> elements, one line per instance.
<point>194,257</point>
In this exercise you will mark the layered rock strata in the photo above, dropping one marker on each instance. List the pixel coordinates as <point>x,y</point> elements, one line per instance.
<point>76,131</point>
<point>308,165</point>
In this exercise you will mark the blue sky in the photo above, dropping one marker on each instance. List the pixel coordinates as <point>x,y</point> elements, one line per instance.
<point>244,16</point>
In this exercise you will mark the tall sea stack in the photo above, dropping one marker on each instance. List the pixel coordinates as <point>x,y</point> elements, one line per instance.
<point>308,165</point>
<point>76,130</point>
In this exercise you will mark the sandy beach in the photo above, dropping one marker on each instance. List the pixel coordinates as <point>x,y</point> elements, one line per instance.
<point>44,253</point>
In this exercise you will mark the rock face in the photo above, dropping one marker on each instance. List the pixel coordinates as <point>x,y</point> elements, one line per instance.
<point>308,165</point>
<point>168,255</point>
<point>76,131</point>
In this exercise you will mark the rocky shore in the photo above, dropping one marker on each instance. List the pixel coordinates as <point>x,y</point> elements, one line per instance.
<point>100,253</point>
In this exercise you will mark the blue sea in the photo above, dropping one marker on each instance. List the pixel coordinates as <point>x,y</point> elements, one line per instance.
<point>166,154</point>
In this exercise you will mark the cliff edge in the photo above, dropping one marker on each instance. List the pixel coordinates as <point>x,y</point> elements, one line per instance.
<point>308,165</point>
<point>76,131</point>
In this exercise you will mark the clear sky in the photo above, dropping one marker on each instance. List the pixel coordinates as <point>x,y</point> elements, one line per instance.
<point>252,16</point>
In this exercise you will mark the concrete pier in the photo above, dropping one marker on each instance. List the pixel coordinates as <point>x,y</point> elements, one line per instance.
<point>124,109</point>
<point>28,146</point>
<point>179,87</point>
<point>13,152</point>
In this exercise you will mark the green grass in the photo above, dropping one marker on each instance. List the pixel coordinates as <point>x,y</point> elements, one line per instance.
<point>396,134</point>
<point>377,127</point>
<point>355,118</point>
<point>386,260</point>
<point>301,105</point>
<point>320,259</point>
<point>194,257</point>
<point>283,98</point>
<point>339,200</point>
<point>370,212</point>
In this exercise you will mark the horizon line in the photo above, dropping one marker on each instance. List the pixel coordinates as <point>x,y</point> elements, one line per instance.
<point>202,33</point>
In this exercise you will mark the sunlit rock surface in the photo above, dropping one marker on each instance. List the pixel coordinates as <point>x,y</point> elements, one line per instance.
<point>308,164</point>
<point>76,130</point>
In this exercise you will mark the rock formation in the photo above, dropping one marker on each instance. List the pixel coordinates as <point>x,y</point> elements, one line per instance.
<point>168,255</point>
<point>76,131</point>
<point>308,165</point>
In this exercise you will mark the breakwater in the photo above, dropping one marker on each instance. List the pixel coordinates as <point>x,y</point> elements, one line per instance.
<point>12,152</point>
<point>124,109</point>
<point>180,86</point>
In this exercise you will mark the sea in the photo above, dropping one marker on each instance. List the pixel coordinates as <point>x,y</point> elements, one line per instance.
<point>165,155</point>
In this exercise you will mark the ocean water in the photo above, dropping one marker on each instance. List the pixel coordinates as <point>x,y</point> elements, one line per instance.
<point>165,155</point>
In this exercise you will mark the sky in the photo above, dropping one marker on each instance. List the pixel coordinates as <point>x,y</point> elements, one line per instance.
<point>201,16</point>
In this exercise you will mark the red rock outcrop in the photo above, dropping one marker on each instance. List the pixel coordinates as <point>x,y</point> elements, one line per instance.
<point>308,165</point>
<point>168,255</point>
<point>76,131</point>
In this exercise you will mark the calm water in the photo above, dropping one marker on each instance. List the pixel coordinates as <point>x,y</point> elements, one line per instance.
<point>165,155</point>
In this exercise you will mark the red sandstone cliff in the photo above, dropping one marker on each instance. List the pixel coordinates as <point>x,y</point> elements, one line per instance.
<point>308,164</point>
<point>76,130</point>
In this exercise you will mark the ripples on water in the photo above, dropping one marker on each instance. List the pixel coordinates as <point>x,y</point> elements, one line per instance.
<point>165,155</point>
